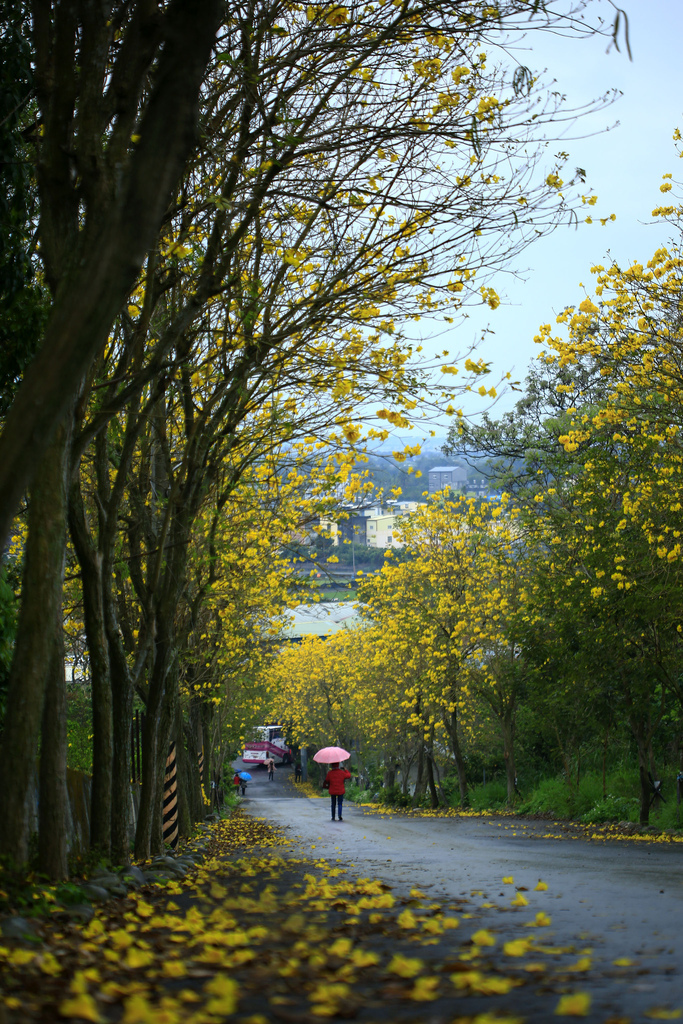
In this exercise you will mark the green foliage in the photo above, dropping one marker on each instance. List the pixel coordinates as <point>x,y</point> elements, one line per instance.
<point>612,808</point>
<point>489,796</point>
<point>393,796</point>
<point>356,795</point>
<point>32,895</point>
<point>231,797</point>
<point>587,802</point>
<point>369,558</point>
<point>560,800</point>
<point>79,728</point>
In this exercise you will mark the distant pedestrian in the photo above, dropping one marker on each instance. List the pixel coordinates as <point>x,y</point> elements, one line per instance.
<point>236,783</point>
<point>243,784</point>
<point>297,771</point>
<point>270,765</point>
<point>335,782</point>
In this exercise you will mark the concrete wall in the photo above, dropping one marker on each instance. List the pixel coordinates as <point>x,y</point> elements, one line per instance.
<point>79,789</point>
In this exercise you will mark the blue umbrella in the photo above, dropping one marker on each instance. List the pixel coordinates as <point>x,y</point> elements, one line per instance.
<point>246,776</point>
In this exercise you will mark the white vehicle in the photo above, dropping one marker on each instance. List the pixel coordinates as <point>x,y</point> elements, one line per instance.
<point>269,742</point>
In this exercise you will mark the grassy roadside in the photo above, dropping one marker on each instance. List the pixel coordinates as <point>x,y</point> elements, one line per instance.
<point>594,804</point>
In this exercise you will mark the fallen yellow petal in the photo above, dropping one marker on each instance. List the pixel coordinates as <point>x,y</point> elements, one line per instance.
<point>81,1006</point>
<point>575,1005</point>
<point>424,990</point>
<point>518,947</point>
<point>405,966</point>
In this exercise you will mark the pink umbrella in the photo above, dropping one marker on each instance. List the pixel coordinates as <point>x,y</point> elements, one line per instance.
<point>330,755</point>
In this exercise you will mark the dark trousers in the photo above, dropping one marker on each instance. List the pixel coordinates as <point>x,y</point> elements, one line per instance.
<point>337,801</point>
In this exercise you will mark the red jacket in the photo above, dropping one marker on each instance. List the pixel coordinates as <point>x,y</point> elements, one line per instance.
<point>335,779</point>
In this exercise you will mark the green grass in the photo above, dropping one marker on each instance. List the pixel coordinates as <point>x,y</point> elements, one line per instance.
<point>552,796</point>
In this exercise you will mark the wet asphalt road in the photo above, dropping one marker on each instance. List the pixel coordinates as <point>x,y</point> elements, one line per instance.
<point>620,899</point>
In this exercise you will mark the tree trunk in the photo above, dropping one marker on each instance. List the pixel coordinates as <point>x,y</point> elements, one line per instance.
<point>605,743</point>
<point>430,782</point>
<point>439,786</point>
<point>122,699</point>
<point>193,742</point>
<point>451,722</point>
<point>90,561</point>
<point>508,729</point>
<point>41,600</point>
<point>568,774</point>
<point>150,772</point>
<point>158,721</point>
<point>185,780</point>
<point>420,782</point>
<point>207,747</point>
<point>642,743</point>
<point>52,806</point>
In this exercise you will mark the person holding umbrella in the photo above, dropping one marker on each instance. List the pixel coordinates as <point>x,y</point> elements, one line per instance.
<point>335,780</point>
<point>245,777</point>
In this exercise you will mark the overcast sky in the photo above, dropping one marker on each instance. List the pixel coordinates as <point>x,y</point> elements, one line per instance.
<point>624,166</point>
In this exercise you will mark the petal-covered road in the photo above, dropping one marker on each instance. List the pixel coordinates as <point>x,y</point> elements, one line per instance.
<point>380,918</point>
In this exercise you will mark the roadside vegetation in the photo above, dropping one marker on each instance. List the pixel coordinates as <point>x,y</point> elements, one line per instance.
<point>538,635</point>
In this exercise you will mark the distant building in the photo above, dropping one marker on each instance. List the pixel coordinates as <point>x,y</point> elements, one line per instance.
<point>380,531</point>
<point>355,528</point>
<point>330,530</point>
<point>454,477</point>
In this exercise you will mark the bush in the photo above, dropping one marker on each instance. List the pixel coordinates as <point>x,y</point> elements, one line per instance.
<point>551,796</point>
<point>488,796</point>
<point>555,797</point>
<point>451,790</point>
<point>393,796</point>
<point>356,795</point>
<point>612,808</point>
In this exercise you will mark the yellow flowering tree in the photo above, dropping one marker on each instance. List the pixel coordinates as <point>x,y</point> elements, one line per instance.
<point>446,609</point>
<point>592,459</point>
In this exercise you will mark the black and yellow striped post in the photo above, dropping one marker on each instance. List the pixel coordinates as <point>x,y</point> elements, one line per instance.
<point>170,825</point>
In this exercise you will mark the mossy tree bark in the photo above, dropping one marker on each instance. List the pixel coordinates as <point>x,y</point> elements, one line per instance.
<point>52,807</point>
<point>34,646</point>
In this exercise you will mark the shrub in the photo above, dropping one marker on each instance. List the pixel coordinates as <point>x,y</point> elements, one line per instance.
<point>356,795</point>
<point>612,808</point>
<point>551,796</point>
<point>393,796</point>
<point>489,796</point>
